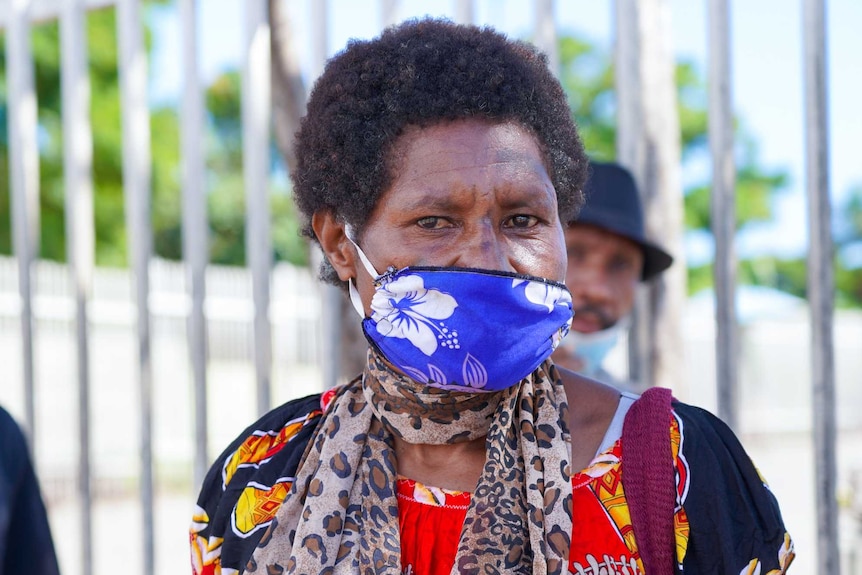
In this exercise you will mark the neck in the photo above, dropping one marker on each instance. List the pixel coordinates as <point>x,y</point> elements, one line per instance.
<point>420,414</point>
<point>456,467</point>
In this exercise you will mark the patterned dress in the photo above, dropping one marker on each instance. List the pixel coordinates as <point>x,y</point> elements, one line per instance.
<point>726,520</point>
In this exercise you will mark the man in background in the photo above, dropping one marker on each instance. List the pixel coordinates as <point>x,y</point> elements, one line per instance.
<point>608,255</point>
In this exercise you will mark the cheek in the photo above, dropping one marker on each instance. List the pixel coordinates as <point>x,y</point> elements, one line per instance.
<point>580,270</point>
<point>560,267</point>
<point>625,290</point>
<point>557,258</point>
<point>548,261</point>
<point>365,286</point>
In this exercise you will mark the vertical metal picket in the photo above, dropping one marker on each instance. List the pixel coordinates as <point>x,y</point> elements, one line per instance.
<point>821,282</point>
<point>388,12</point>
<point>723,207</point>
<point>331,318</point>
<point>256,163</point>
<point>195,244</point>
<point>320,37</point>
<point>80,234</point>
<point>465,11</point>
<point>545,33</point>
<point>136,183</point>
<point>648,143</point>
<point>627,82</point>
<point>24,184</point>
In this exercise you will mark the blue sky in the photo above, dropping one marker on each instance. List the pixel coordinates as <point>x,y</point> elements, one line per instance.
<point>766,64</point>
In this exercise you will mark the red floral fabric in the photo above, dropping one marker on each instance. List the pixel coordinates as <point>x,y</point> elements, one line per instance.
<point>602,537</point>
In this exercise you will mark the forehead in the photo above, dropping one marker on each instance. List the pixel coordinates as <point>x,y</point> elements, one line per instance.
<point>601,241</point>
<point>472,155</point>
<point>465,142</point>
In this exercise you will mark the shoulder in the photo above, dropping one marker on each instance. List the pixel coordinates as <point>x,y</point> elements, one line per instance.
<point>716,456</point>
<point>725,498</point>
<point>247,483</point>
<point>281,430</point>
<point>592,406</point>
<point>701,428</point>
<point>726,520</point>
<point>590,401</point>
<point>712,452</point>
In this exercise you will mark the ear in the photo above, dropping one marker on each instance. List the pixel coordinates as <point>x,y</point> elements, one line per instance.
<point>333,240</point>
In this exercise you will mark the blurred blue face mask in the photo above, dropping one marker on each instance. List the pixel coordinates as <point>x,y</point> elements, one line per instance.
<point>593,348</point>
<point>463,329</point>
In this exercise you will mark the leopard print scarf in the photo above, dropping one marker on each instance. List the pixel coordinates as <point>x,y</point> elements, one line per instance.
<point>341,514</point>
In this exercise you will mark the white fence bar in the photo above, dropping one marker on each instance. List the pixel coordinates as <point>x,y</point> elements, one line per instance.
<point>331,311</point>
<point>24,184</point>
<point>256,163</point>
<point>820,283</point>
<point>319,37</point>
<point>80,240</point>
<point>465,11</point>
<point>388,12</point>
<point>195,227</point>
<point>723,207</point>
<point>136,183</point>
<point>545,34</point>
<point>627,82</point>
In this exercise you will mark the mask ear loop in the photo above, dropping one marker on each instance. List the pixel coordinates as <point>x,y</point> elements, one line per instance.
<point>355,299</point>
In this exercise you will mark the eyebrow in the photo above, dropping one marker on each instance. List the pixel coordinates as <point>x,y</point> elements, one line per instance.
<point>431,201</point>
<point>520,199</point>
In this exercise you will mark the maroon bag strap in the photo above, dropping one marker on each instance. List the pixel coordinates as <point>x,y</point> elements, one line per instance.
<point>648,479</point>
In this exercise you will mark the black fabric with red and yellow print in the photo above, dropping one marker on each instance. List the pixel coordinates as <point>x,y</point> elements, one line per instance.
<point>246,485</point>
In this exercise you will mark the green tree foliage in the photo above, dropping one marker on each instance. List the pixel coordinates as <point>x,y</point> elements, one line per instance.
<point>588,77</point>
<point>226,197</point>
<point>224,182</point>
<point>848,275</point>
<point>107,145</point>
<point>755,190</point>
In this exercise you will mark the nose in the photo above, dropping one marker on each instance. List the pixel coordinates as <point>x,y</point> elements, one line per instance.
<point>484,248</point>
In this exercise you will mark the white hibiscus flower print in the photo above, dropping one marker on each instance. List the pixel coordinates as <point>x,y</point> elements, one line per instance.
<point>403,308</point>
<point>544,294</point>
<point>558,336</point>
<point>435,375</point>
<point>474,373</point>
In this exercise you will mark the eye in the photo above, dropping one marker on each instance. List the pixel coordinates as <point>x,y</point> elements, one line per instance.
<point>522,221</point>
<point>431,222</point>
<point>576,252</point>
<point>620,264</point>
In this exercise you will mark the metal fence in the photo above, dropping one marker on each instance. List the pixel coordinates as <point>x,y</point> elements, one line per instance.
<point>646,145</point>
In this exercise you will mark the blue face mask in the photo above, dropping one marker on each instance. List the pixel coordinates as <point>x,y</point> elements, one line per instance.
<point>464,329</point>
<point>593,348</point>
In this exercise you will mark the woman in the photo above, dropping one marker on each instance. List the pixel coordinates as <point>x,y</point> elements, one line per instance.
<point>435,166</point>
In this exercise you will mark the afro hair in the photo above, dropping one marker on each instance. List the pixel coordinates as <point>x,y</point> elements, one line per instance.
<point>421,73</point>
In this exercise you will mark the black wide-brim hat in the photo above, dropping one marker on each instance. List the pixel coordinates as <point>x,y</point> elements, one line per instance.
<point>613,204</point>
